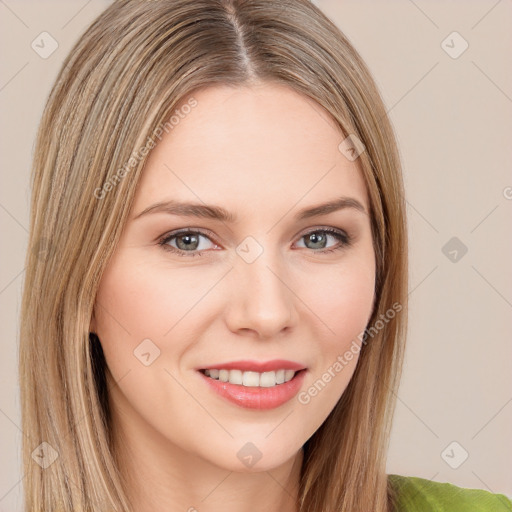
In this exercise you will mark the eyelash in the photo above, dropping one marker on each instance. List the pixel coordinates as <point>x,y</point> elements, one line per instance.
<point>345,240</point>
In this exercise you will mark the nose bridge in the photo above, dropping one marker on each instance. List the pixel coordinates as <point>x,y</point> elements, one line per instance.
<point>261,299</point>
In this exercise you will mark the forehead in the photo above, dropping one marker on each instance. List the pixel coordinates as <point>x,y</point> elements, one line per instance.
<point>250,146</point>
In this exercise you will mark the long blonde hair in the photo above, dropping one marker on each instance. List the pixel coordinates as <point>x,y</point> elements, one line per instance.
<point>120,83</point>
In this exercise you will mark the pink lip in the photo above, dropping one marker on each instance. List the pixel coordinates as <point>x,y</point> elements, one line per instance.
<point>256,366</point>
<point>256,397</point>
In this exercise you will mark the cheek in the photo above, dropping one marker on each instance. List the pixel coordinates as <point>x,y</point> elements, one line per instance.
<point>342,298</point>
<point>138,301</point>
<point>352,303</point>
<point>137,304</point>
<point>130,308</point>
<point>343,309</point>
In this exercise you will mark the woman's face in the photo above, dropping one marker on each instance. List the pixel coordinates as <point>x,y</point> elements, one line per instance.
<point>268,283</point>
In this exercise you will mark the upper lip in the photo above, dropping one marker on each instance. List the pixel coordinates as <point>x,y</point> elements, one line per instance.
<point>256,366</point>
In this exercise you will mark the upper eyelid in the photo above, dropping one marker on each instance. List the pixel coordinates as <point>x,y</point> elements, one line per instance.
<point>172,234</point>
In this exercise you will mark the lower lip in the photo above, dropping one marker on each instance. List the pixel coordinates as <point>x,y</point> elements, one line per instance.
<point>257,397</point>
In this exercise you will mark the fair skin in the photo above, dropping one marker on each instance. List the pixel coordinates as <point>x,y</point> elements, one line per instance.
<point>264,153</point>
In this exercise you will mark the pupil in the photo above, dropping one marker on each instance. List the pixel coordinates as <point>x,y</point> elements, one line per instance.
<point>188,241</point>
<point>316,238</point>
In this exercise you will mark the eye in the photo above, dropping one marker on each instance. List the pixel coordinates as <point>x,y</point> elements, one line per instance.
<point>319,242</point>
<point>186,242</point>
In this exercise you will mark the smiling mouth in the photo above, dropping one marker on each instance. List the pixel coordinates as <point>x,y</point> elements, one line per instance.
<point>252,379</point>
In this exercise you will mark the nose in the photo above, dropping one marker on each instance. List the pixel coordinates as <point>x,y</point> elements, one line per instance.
<point>260,298</point>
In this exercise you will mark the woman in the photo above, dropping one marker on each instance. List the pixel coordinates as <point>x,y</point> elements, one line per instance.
<point>220,318</point>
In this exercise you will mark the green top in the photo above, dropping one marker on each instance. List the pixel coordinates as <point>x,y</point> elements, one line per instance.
<point>418,494</point>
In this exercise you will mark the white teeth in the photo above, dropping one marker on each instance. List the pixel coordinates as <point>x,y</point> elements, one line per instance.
<point>235,377</point>
<point>252,379</point>
<point>288,375</point>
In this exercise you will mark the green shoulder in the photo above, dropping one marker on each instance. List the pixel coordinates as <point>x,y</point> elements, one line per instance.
<point>419,494</point>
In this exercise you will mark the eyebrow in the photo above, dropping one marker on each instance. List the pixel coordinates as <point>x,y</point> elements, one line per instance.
<point>189,209</point>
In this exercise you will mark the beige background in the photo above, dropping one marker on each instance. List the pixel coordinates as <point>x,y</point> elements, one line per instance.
<point>454,125</point>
